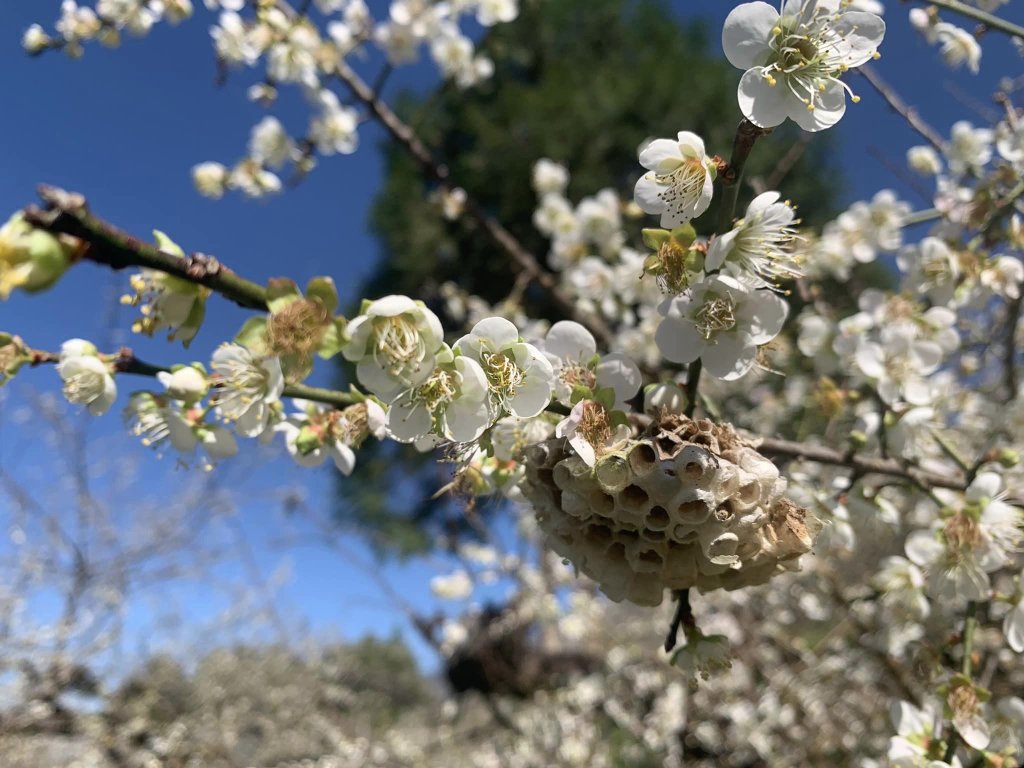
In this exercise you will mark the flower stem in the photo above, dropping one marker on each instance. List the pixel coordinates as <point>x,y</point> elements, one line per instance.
<point>966,668</point>
<point>990,21</point>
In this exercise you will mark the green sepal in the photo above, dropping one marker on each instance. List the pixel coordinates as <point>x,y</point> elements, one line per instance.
<point>580,392</point>
<point>605,396</point>
<point>684,234</point>
<point>652,264</point>
<point>655,238</point>
<point>165,244</point>
<point>333,339</point>
<point>281,291</point>
<point>322,289</point>
<point>307,441</point>
<point>364,306</point>
<point>253,335</point>
<point>618,419</point>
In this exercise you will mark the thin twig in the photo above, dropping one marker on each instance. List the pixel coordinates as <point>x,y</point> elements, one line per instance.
<point>407,138</point>
<point>683,617</point>
<point>899,106</point>
<point>990,21</point>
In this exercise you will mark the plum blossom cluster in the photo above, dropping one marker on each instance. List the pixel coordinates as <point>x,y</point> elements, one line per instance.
<point>306,49</point>
<point>898,420</point>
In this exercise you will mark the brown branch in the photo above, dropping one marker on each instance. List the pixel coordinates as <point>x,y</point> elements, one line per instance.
<point>66,213</point>
<point>899,106</point>
<point>731,175</point>
<point>783,167</point>
<point>1010,353</point>
<point>125,361</point>
<point>863,464</point>
<point>526,262</point>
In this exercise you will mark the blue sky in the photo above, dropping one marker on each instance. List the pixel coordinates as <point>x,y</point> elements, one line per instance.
<point>124,127</point>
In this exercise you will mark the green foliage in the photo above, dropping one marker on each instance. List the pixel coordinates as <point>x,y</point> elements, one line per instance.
<point>583,82</point>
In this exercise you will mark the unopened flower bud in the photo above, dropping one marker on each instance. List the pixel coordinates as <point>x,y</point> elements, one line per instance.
<point>665,395</point>
<point>187,384</point>
<point>35,40</point>
<point>30,259</point>
<point>1008,457</point>
<point>13,355</point>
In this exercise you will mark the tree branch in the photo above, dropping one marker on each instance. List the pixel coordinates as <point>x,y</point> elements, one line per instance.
<point>125,361</point>
<point>747,135</point>
<point>862,464</point>
<point>990,21</point>
<point>66,213</point>
<point>899,106</point>
<point>406,138</point>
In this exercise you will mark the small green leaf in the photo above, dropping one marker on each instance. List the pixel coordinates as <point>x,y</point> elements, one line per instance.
<point>253,335</point>
<point>164,243</point>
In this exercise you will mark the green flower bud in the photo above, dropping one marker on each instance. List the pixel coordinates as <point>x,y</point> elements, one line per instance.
<point>30,259</point>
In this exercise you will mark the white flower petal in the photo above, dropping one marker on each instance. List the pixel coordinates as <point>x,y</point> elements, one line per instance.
<point>746,33</point>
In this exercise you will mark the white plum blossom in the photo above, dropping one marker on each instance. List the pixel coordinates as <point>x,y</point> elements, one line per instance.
<point>899,362</point>
<point>664,396</point>
<point>960,552</point>
<point>549,177</point>
<point>248,388</point>
<point>34,40</point>
<point>1013,626</point>
<point>1003,276</point>
<point>491,12</point>
<point>762,242</point>
<point>590,432</point>
<point>210,179</point>
<point>455,586</point>
<point>519,376</point>
<point>232,40</point>
<point>269,144</point>
<point>187,384</point>
<point>158,422</point>
<point>722,321</point>
<point>932,268</point>
<point>572,352</point>
<point>969,148</point>
<point>924,160</point>
<point>453,403</point>
<point>794,60</point>
<point>680,179</point>
<point>334,130</point>
<point>957,46</point>
<point>393,342</point>
<point>316,432</point>
<point>87,380</point>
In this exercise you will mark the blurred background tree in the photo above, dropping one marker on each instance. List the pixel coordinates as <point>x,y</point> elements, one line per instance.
<point>585,83</point>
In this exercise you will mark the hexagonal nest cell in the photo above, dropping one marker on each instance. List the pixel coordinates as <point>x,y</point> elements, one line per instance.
<point>685,504</point>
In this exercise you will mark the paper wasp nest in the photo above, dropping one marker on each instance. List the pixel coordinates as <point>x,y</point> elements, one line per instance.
<point>688,504</point>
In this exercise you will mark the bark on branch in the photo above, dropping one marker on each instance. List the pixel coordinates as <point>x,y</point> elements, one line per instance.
<point>66,213</point>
